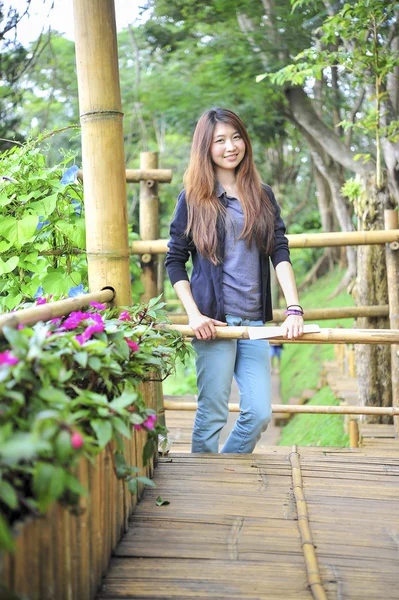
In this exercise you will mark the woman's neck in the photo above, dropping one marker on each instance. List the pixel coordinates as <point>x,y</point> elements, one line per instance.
<point>226,178</point>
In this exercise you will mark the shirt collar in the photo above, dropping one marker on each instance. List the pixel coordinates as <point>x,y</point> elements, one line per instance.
<point>220,191</point>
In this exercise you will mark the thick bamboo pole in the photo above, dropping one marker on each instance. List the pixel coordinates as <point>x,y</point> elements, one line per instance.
<point>149,225</point>
<point>137,175</point>
<point>102,147</point>
<point>45,312</point>
<point>300,240</point>
<point>299,408</point>
<point>392,258</point>
<point>326,336</point>
<point>308,547</point>
<point>312,314</point>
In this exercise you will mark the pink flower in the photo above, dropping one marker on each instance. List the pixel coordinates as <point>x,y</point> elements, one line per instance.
<point>81,338</point>
<point>74,319</point>
<point>41,300</point>
<point>137,427</point>
<point>124,316</point>
<point>55,321</point>
<point>7,358</point>
<point>21,326</point>
<point>132,345</point>
<point>98,305</point>
<point>150,421</point>
<point>76,440</point>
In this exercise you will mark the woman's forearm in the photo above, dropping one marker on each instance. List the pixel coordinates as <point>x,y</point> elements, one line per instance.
<point>286,279</point>
<point>183,290</point>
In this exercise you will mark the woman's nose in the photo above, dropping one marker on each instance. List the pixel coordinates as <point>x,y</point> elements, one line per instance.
<point>230,144</point>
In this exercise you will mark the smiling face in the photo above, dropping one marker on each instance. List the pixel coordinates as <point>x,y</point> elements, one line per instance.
<point>227,147</point>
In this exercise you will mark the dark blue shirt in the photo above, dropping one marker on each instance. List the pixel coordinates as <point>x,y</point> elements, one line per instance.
<point>207,279</point>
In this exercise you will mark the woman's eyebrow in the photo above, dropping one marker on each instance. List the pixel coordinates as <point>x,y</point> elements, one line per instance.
<point>222,135</point>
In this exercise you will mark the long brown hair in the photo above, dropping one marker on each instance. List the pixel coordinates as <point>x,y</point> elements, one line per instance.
<point>203,204</point>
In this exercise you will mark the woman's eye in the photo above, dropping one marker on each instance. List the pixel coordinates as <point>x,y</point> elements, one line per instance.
<point>237,137</point>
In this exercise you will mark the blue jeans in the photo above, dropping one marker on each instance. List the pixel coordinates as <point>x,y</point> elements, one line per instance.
<point>217,362</point>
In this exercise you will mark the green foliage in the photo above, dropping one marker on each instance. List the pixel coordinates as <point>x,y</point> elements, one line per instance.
<point>42,238</point>
<point>316,430</point>
<point>67,388</point>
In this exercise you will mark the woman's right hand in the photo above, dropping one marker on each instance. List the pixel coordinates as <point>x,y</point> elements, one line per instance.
<point>204,327</point>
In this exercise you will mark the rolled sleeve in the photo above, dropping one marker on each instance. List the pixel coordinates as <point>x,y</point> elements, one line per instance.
<point>179,244</point>
<point>281,251</point>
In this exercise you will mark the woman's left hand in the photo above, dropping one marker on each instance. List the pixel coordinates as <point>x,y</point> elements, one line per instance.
<point>292,327</point>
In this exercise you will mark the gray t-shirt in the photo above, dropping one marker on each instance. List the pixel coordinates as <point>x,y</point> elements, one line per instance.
<point>241,268</point>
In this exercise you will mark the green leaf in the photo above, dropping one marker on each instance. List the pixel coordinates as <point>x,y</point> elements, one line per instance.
<point>6,539</point>
<point>9,265</point>
<point>8,494</point>
<point>95,363</point>
<point>81,358</point>
<point>45,206</point>
<point>161,502</point>
<point>146,481</point>
<point>103,431</point>
<point>132,485</point>
<point>62,445</point>
<point>74,485</point>
<point>124,400</point>
<point>148,451</point>
<point>48,483</point>
<point>121,426</point>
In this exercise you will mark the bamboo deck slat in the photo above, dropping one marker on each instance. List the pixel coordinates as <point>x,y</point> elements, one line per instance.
<point>230,530</point>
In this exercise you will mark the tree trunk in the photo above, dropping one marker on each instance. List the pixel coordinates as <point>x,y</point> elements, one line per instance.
<point>373,362</point>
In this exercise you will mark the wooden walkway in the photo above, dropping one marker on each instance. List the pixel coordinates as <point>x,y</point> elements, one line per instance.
<point>231,530</point>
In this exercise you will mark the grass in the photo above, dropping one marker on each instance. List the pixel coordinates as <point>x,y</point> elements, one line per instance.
<point>316,430</point>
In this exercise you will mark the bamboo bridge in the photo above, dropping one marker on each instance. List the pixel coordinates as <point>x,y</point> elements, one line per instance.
<point>288,523</point>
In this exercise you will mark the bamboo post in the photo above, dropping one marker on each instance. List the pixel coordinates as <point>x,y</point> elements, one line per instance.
<point>351,361</point>
<point>102,147</point>
<point>353,432</point>
<point>392,258</point>
<point>149,224</point>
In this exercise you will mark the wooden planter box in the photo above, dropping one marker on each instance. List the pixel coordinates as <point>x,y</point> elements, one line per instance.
<point>62,556</point>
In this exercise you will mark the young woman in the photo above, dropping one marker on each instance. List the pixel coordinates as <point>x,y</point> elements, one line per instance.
<point>230,224</point>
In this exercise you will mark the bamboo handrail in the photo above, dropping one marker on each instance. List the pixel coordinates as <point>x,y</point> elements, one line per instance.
<point>51,310</point>
<point>137,175</point>
<point>298,240</point>
<point>308,547</point>
<point>326,335</point>
<point>312,314</point>
<point>299,409</point>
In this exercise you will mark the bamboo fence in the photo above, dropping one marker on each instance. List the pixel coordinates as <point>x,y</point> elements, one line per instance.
<point>64,554</point>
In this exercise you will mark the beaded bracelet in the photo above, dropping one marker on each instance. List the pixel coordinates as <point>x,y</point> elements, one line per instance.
<point>293,312</point>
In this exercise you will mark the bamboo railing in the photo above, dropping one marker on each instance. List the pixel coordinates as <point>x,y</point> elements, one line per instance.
<point>326,335</point>
<point>298,240</point>
<point>311,314</point>
<point>51,310</point>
